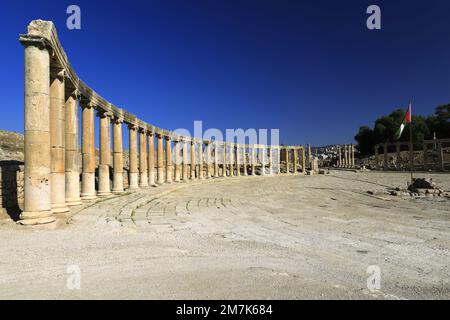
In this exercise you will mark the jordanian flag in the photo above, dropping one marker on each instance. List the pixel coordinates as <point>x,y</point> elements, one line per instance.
<point>406,120</point>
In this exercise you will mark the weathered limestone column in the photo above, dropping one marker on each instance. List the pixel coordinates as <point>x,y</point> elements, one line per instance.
<point>295,151</point>
<point>177,160</point>
<point>216,159</point>
<point>169,165</point>
<point>117,156</point>
<point>425,156</point>
<point>385,156</point>
<point>208,159</point>
<point>224,159</point>
<point>303,161</point>
<point>193,165</point>
<point>339,164</point>
<point>200,160</point>
<point>345,164</point>
<point>231,155</point>
<point>238,161</point>
<point>160,158</point>
<point>143,171</point>
<point>353,156</point>
<point>104,187</point>
<point>37,190</point>
<point>253,161</point>
<point>270,161</point>
<point>279,160</point>
<point>441,156</point>
<point>244,159</point>
<point>134,172</point>
<point>57,141</point>
<point>288,169</point>
<point>263,151</point>
<point>151,158</point>
<point>185,161</point>
<point>377,164</point>
<point>72,170</point>
<point>310,158</point>
<point>88,153</point>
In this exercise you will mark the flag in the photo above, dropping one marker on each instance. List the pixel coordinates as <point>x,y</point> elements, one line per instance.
<point>406,120</point>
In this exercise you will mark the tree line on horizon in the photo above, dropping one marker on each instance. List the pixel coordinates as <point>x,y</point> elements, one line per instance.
<point>385,127</point>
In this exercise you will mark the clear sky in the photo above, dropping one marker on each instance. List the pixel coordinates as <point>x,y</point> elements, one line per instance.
<point>310,68</point>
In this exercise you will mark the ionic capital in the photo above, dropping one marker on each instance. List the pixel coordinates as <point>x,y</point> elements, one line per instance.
<point>37,41</point>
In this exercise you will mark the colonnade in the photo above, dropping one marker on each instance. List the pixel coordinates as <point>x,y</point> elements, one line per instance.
<point>53,95</point>
<point>346,156</point>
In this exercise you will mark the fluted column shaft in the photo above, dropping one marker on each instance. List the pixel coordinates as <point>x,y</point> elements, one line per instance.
<point>117,156</point>
<point>72,170</point>
<point>160,158</point>
<point>104,188</point>
<point>151,158</point>
<point>88,153</point>
<point>134,172</point>
<point>143,161</point>
<point>185,161</point>
<point>37,189</point>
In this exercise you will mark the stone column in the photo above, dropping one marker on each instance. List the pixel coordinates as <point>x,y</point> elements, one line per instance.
<point>353,156</point>
<point>134,172</point>
<point>224,160</point>
<point>185,161</point>
<point>216,160</point>
<point>385,156</point>
<point>143,171</point>
<point>57,141</point>
<point>104,187</point>
<point>279,160</point>
<point>238,161</point>
<point>72,170</point>
<point>288,169</point>
<point>160,158</point>
<point>177,160</point>
<point>295,151</point>
<point>310,158</point>
<point>169,165</point>
<point>151,158</point>
<point>263,151</point>
<point>425,156</point>
<point>253,161</point>
<point>244,159</point>
<point>231,155</point>
<point>37,189</point>
<point>193,165</point>
<point>117,156</point>
<point>270,161</point>
<point>377,164</point>
<point>200,160</point>
<point>208,159</point>
<point>345,156</point>
<point>303,161</point>
<point>88,153</point>
<point>339,164</point>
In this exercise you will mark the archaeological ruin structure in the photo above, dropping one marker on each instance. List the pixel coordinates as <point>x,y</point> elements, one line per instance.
<point>346,156</point>
<point>53,94</point>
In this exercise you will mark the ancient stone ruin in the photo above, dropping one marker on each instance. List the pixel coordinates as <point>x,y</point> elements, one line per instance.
<point>51,184</point>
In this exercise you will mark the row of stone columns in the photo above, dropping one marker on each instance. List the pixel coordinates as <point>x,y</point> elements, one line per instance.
<point>292,161</point>
<point>346,156</point>
<point>52,173</point>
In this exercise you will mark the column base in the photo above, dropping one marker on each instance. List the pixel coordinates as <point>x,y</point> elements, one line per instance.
<point>37,217</point>
<point>62,208</point>
<point>74,202</point>
<point>88,196</point>
<point>118,191</point>
<point>104,194</point>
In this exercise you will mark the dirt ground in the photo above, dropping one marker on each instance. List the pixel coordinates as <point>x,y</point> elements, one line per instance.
<point>285,237</point>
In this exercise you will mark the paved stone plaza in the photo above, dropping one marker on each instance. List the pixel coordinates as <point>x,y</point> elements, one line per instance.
<point>248,237</point>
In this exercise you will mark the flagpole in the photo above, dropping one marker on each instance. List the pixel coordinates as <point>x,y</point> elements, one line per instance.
<point>411,147</point>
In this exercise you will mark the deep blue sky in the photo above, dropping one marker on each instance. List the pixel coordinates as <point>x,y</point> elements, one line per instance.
<point>310,68</point>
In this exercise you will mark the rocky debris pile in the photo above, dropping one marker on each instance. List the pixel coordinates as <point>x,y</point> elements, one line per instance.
<point>423,186</point>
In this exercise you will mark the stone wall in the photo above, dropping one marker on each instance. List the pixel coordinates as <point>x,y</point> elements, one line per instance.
<point>11,190</point>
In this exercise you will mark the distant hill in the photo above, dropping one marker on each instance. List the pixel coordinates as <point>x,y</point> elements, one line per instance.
<point>11,145</point>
